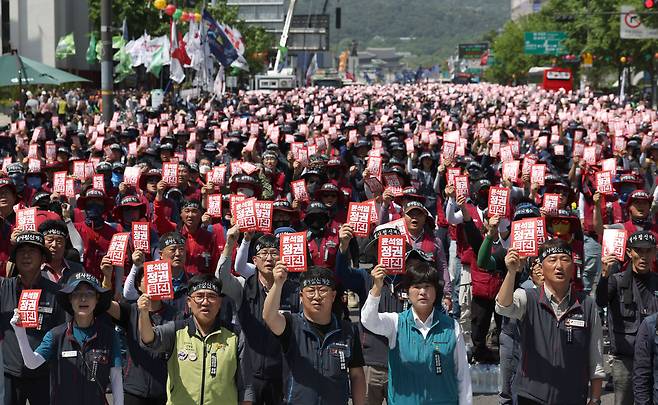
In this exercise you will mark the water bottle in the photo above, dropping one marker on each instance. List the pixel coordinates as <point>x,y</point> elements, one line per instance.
<point>475,380</point>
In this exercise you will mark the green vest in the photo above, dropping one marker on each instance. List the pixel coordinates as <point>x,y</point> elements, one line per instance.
<point>202,370</point>
<point>414,375</point>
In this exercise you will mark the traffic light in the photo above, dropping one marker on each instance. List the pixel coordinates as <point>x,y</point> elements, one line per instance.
<point>650,4</point>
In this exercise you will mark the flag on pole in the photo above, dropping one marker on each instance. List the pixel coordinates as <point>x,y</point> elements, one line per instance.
<point>284,58</point>
<point>124,68</point>
<point>219,44</point>
<point>124,29</point>
<point>179,57</point>
<point>65,46</point>
<point>157,61</point>
<point>91,50</point>
<point>312,69</point>
<point>219,85</point>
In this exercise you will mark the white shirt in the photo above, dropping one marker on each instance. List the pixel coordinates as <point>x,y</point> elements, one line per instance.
<point>386,324</point>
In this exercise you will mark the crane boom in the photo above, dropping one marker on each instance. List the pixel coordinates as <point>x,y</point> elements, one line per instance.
<point>284,35</point>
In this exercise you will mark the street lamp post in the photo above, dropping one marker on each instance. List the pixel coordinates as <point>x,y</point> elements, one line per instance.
<point>107,65</point>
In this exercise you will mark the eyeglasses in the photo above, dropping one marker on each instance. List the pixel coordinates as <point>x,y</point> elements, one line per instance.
<point>265,255</point>
<point>311,292</point>
<point>199,298</point>
<point>83,294</point>
<point>175,248</point>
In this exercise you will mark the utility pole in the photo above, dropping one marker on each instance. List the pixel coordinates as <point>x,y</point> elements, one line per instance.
<point>107,65</point>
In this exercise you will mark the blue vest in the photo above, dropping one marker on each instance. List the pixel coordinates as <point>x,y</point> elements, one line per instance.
<point>414,375</point>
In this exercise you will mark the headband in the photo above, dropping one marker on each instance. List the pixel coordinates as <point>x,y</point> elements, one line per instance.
<point>556,250</point>
<point>318,281</point>
<point>54,231</point>
<point>206,285</point>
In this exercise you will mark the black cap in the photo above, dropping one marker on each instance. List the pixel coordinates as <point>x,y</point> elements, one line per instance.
<point>170,238</point>
<point>74,280</point>
<point>641,239</point>
<point>33,239</point>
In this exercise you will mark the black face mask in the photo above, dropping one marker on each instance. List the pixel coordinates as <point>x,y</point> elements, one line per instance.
<point>94,215</point>
<point>280,224</point>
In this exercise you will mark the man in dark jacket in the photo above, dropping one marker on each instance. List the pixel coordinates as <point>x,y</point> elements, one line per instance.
<point>262,346</point>
<point>630,297</point>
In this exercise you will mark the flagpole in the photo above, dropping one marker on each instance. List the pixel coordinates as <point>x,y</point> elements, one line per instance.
<point>107,65</point>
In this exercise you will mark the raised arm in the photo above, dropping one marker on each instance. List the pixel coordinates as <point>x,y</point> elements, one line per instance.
<point>271,315</point>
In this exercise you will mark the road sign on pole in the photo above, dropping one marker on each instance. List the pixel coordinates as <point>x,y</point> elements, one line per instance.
<point>631,27</point>
<point>545,43</point>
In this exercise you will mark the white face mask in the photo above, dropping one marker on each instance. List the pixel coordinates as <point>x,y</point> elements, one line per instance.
<point>203,169</point>
<point>246,191</point>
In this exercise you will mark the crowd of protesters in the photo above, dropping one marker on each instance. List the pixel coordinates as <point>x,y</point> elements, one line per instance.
<point>456,172</point>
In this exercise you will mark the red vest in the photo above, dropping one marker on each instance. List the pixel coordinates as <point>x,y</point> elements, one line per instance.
<point>323,251</point>
<point>483,284</point>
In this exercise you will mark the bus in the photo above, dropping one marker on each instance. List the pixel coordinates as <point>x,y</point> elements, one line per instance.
<point>550,78</point>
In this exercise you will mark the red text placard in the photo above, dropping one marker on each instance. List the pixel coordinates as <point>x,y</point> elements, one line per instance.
<point>451,173</point>
<point>614,243</point>
<point>551,202</point>
<point>118,247</point>
<point>141,236</point>
<point>26,219</point>
<point>99,182</point>
<point>358,215</point>
<point>498,201</point>
<point>524,237</point>
<point>214,205</point>
<point>293,251</point>
<point>245,215</point>
<point>461,186</point>
<point>157,280</point>
<point>604,182</point>
<point>264,213</point>
<point>391,253</point>
<point>170,173</point>
<point>375,166</point>
<point>131,175</point>
<point>511,170</point>
<point>538,174</point>
<point>28,308</point>
<point>59,182</point>
<point>299,190</point>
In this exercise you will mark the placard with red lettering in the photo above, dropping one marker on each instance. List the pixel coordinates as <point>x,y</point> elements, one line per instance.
<point>59,182</point>
<point>375,166</point>
<point>392,250</point>
<point>140,235</point>
<point>451,173</point>
<point>558,150</point>
<point>299,190</point>
<point>393,183</point>
<point>541,230</point>
<point>604,182</point>
<point>236,167</point>
<point>538,174</point>
<point>506,154</point>
<point>26,219</point>
<point>461,186</point>
<point>33,150</point>
<point>170,173</point>
<point>218,175</point>
<point>376,187</point>
<point>551,202</point>
<point>449,150</point>
<point>249,168</point>
<point>157,280</point>
<point>99,182</point>
<point>264,214</point>
<point>614,243</point>
<point>118,247</point>
<point>610,165</point>
<point>245,215</point>
<point>28,308</point>
<point>511,170</point>
<point>498,201</point>
<point>233,200</point>
<point>589,155</point>
<point>578,149</point>
<point>619,144</point>
<point>79,169</point>
<point>190,155</point>
<point>214,205</point>
<point>293,251</point>
<point>524,237</point>
<point>51,150</point>
<point>34,166</point>
<point>70,190</point>
<point>358,215</point>
<point>528,162</point>
<point>131,175</point>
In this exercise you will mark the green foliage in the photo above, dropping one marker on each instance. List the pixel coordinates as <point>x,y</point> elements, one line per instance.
<point>142,17</point>
<point>430,30</point>
<point>594,29</point>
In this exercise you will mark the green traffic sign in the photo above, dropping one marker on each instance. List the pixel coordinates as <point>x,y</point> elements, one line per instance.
<point>545,43</point>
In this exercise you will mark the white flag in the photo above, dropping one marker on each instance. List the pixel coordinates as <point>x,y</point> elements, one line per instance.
<point>176,72</point>
<point>218,86</point>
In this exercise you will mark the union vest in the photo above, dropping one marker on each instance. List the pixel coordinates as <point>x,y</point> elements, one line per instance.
<point>423,370</point>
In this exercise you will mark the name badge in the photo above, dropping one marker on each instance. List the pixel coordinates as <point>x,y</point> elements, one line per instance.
<point>46,310</point>
<point>69,354</point>
<point>577,323</point>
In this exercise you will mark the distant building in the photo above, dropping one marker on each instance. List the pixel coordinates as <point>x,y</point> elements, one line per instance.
<point>33,27</point>
<point>525,7</point>
<point>381,62</point>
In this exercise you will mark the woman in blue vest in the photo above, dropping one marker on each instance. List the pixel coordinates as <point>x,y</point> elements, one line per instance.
<point>427,357</point>
<point>84,353</point>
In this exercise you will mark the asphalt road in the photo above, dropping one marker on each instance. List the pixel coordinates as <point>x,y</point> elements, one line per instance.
<point>607,399</point>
